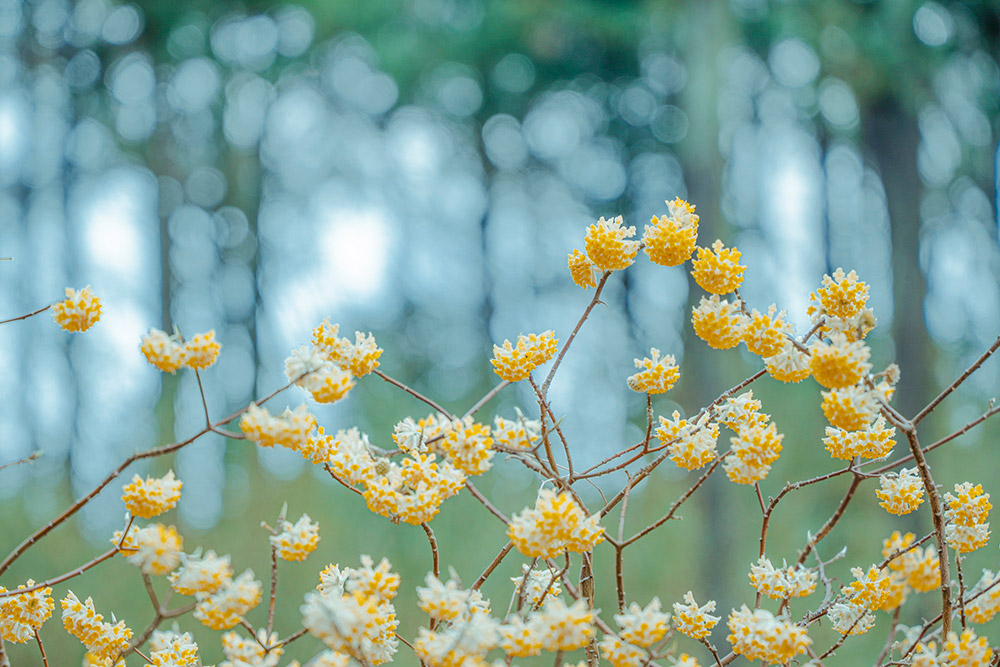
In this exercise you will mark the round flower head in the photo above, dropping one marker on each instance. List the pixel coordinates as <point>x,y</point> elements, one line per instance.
<point>969,506</point>
<point>201,574</point>
<point>839,363</point>
<point>515,362</point>
<point>842,295</point>
<point>851,619</point>
<point>719,323</point>
<point>622,654</point>
<point>78,311</point>
<point>163,351</point>
<point>789,365</point>
<point>757,445</point>
<point>766,334</point>
<point>670,239</point>
<point>607,246</point>
<point>172,649</point>
<point>986,599</point>
<point>691,445</point>
<point>900,493</point>
<point>296,541</point>
<point>330,384</point>
<point>225,607</point>
<point>564,627</point>
<point>717,269</point>
<point>202,350</point>
<point>152,496</point>
<point>967,649</point>
<point>692,620</point>
<point>850,408</point>
<point>759,635</point>
<point>290,430</point>
<point>582,270</point>
<point>659,374</point>
<point>643,626</point>
<point>869,589</point>
<point>782,583</point>
<point>155,549</point>
<point>519,434</point>
<point>874,441</point>
<point>22,615</point>
<point>103,640</point>
<point>469,446</point>
<point>556,524</point>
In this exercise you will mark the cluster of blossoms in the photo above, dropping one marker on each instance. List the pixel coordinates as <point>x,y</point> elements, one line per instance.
<point>327,368</point>
<point>22,615</point>
<point>351,611</point>
<point>900,493</point>
<point>757,443</point>
<point>968,509</point>
<point>640,628</point>
<point>555,524</point>
<point>914,568</point>
<point>514,362</point>
<point>760,635</point>
<point>295,541</point>
<point>984,599</point>
<point>152,496</point>
<point>782,583</point>
<point>959,650</point>
<point>691,445</point>
<point>104,641</point>
<point>174,649</point>
<point>659,374</point>
<point>78,311</point>
<point>170,352</point>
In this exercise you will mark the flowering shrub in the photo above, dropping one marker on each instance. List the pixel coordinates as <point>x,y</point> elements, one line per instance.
<point>353,614</point>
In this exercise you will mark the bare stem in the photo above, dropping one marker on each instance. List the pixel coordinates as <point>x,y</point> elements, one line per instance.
<point>492,566</point>
<point>24,317</point>
<point>954,385</point>
<point>434,549</point>
<point>31,458</point>
<point>413,392</point>
<point>41,648</point>
<point>583,318</point>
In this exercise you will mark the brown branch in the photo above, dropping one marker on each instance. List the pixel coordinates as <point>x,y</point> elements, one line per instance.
<point>434,549</point>
<point>149,453</point>
<point>492,566</point>
<point>677,503</point>
<point>41,648</point>
<point>583,318</point>
<point>937,517</point>
<point>413,392</point>
<point>831,522</point>
<point>486,503</point>
<point>619,575</point>
<point>954,385</point>
<point>290,638</point>
<point>24,317</point>
<point>31,458</point>
<point>204,403</point>
<point>274,591</point>
<point>485,399</point>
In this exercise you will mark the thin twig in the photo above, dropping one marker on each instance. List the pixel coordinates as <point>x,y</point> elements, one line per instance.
<point>413,392</point>
<point>954,385</point>
<point>486,503</point>
<point>583,318</point>
<point>485,399</point>
<point>41,648</point>
<point>492,566</point>
<point>30,458</point>
<point>434,549</point>
<point>24,317</point>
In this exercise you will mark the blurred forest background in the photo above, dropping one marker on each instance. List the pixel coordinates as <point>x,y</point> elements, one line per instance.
<point>420,169</point>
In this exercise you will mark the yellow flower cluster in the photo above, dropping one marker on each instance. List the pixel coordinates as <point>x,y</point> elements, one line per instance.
<point>296,540</point>
<point>694,621</point>
<point>902,492</point>
<point>986,599</point>
<point>874,441</point>
<point>360,357</point>
<point>643,626</point>
<point>515,362</point>
<point>22,615</point>
<point>468,446</point>
<point>717,269</point>
<point>520,434</point>
<point>965,650</point>
<point>555,627</point>
<point>155,549</point>
<point>290,430</point>
<point>719,323</point>
<point>850,408</point>
<point>669,240</point>
<point>411,492</point>
<point>691,445</point>
<point>607,244</point>
<point>78,311</point>
<point>659,374</point>
<point>840,362</point>
<point>168,353</point>
<point>782,583</point>
<point>621,653</point>
<point>840,305</point>
<point>968,509</point>
<point>766,334</point>
<point>752,452</point>
<point>104,641</point>
<point>446,601</point>
<point>556,524</point>
<point>759,635</point>
<point>152,496</point>
<point>537,585</point>
<point>224,607</point>
<point>351,611</point>
<point>173,649</point>
<point>249,652</point>
<point>918,567</point>
<point>201,574</point>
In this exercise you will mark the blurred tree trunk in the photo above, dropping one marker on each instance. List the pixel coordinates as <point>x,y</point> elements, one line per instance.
<point>892,136</point>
